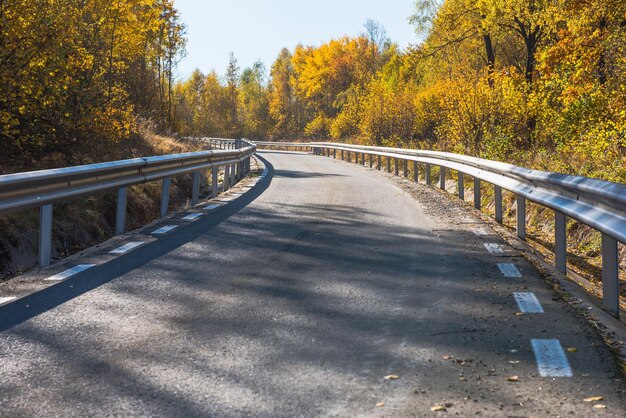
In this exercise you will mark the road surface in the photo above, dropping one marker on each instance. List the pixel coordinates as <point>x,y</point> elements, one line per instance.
<point>325,290</point>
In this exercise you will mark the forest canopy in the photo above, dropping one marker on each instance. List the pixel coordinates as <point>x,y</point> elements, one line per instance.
<point>540,83</point>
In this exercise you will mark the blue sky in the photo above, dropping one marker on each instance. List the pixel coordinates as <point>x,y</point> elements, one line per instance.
<point>260,29</point>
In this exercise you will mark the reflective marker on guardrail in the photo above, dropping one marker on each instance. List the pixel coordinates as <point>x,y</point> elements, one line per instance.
<point>551,359</point>
<point>70,272</point>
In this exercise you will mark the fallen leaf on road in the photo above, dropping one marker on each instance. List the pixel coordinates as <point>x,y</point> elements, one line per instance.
<point>392,377</point>
<point>594,399</point>
<point>380,404</point>
<point>599,406</point>
<point>572,350</point>
<point>448,357</point>
<point>438,408</point>
<point>519,313</point>
<point>513,361</point>
<point>513,378</point>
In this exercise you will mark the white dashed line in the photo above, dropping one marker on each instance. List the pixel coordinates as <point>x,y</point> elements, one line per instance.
<point>7,299</point>
<point>551,359</point>
<point>212,206</point>
<point>126,247</point>
<point>493,248</point>
<point>165,229</point>
<point>192,216</point>
<point>509,270</point>
<point>69,272</point>
<point>228,199</point>
<point>479,232</point>
<point>527,302</point>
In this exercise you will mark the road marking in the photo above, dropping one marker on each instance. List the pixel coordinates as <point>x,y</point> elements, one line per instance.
<point>70,272</point>
<point>192,216</point>
<point>509,270</point>
<point>551,359</point>
<point>527,302</point>
<point>212,206</point>
<point>126,247</point>
<point>479,231</point>
<point>228,199</point>
<point>493,248</point>
<point>165,229</point>
<point>7,299</point>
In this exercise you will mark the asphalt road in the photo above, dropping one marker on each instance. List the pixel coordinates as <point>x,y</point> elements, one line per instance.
<point>298,299</point>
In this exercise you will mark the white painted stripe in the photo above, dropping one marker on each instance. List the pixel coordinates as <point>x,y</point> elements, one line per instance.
<point>126,247</point>
<point>493,248</point>
<point>228,199</point>
<point>7,299</point>
<point>551,359</point>
<point>527,302</point>
<point>509,270</point>
<point>479,231</point>
<point>192,216</point>
<point>165,229</point>
<point>212,206</point>
<point>70,272</point>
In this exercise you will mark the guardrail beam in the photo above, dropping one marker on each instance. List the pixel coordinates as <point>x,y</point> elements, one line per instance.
<point>45,235</point>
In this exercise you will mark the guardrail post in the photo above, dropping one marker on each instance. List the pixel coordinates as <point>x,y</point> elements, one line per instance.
<point>233,172</point>
<point>497,190</point>
<point>195,188</point>
<point>226,180</point>
<point>165,195</point>
<point>371,160</point>
<point>363,159</point>
<point>442,177</point>
<point>342,156</point>
<point>214,179</point>
<point>610,275</point>
<point>335,154</point>
<point>388,165</point>
<point>405,168</point>
<point>379,163</point>
<point>356,157</point>
<point>395,166</point>
<point>120,213</point>
<point>560,241</point>
<point>45,235</point>
<point>427,174</point>
<point>415,172</point>
<point>477,194</point>
<point>461,186</point>
<point>521,217</point>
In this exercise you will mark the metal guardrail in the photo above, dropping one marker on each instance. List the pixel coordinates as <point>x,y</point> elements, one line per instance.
<point>43,188</point>
<point>597,203</point>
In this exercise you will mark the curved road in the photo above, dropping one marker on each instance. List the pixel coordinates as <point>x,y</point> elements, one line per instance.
<point>299,298</point>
